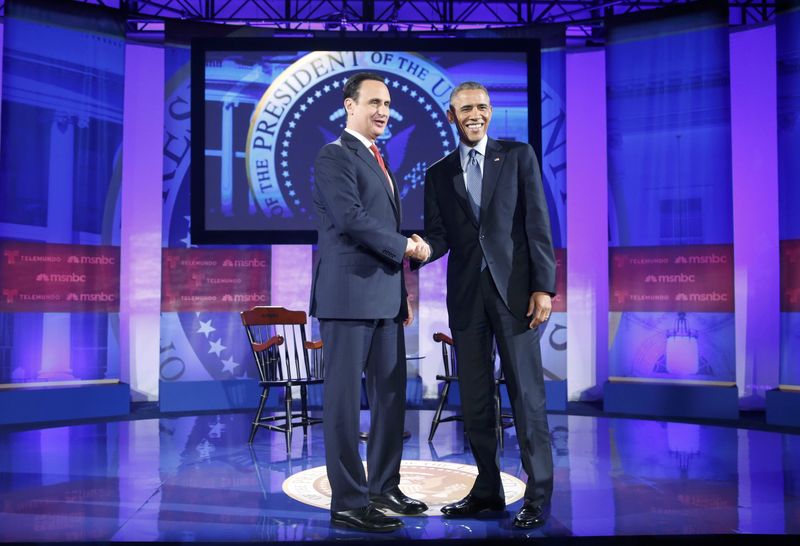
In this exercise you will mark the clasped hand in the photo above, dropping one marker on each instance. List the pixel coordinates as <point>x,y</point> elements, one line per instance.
<point>417,249</point>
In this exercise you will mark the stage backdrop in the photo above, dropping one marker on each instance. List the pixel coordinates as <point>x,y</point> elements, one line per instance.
<point>59,187</point>
<point>670,200</point>
<point>788,50</point>
<point>203,289</point>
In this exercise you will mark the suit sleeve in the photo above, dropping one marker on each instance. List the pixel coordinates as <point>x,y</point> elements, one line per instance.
<point>537,224</point>
<point>435,232</point>
<point>335,179</point>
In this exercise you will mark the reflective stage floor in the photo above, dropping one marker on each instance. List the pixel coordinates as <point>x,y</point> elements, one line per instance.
<point>196,479</point>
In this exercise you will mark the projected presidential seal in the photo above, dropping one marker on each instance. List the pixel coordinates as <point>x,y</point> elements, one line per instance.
<point>302,110</point>
<point>434,482</point>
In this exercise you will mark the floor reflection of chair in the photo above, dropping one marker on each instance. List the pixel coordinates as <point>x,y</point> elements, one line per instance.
<point>450,363</point>
<point>284,359</point>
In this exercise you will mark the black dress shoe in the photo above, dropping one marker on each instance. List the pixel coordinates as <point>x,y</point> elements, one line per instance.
<point>529,516</point>
<point>367,518</point>
<point>396,501</point>
<point>471,505</point>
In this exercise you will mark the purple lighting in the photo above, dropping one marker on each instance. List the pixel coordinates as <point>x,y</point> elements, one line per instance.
<point>755,212</point>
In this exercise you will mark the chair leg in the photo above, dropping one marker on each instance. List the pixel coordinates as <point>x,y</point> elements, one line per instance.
<point>288,428</point>
<point>304,408</point>
<point>254,428</point>
<point>438,415</point>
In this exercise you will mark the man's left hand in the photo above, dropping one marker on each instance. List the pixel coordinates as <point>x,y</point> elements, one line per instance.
<point>539,307</point>
<point>410,317</point>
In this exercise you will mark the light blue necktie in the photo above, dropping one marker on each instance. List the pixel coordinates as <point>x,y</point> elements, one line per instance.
<point>474,183</point>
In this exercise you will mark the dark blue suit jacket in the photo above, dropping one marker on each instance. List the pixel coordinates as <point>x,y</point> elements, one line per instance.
<point>358,273</point>
<point>513,235</point>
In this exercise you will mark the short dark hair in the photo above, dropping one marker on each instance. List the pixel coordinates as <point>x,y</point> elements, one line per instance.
<point>465,86</point>
<point>353,84</point>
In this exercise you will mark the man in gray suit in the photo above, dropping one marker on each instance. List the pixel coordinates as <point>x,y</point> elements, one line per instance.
<point>485,203</point>
<point>358,294</point>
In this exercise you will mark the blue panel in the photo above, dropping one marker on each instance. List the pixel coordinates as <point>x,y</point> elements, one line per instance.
<point>63,403</point>
<point>212,395</point>
<point>671,400</point>
<point>669,143</point>
<point>783,408</point>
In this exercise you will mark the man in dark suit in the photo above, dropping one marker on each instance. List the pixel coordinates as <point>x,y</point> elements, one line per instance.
<point>485,203</point>
<point>358,294</point>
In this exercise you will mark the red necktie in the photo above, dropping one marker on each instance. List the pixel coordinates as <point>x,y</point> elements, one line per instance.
<point>377,154</point>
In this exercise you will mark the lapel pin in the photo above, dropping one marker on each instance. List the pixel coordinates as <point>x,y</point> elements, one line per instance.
<point>496,159</point>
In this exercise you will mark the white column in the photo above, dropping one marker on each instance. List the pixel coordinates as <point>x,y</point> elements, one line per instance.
<point>587,226</point>
<point>226,160</point>
<point>141,209</point>
<point>754,142</point>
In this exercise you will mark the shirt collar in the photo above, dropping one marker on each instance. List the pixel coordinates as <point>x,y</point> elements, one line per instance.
<point>364,140</point>
<point>480,147</point>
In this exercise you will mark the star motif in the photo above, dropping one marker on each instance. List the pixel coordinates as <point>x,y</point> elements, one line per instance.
<point>288,183</point>
<point>344,81</point>
<point>296,115</point>
<point>206,328</point>
<point>286,173</point>
<point>292,193</point>
<point>288,134</point>
<point>285,143</point>
<point>395,83</point>
<point>217,347</point>
<point>228,365</point>
<point>336,84</point>
<point>296,201</point>
<point>303,107</point>
<point>446,143</point>
<point>387,81</point>
<point>326,88</point>
<point>421,99</point>
<point>434,115</point>
<point>404,88</point>
<point>428,107</point>
<point>215,430</point>
<point>284,154</point>
<point>318,93</point>
<point>310,100</point>
<point>292,124</point>
<point>439,124</point>
<point>413,93</point>
<point>284,164</point>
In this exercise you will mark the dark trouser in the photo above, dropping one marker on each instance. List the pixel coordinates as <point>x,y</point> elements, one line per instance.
<point>521,359</point>
<point>351,347</point>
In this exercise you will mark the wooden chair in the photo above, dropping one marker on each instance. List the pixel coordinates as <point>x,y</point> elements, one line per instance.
<point>450,361</point>
<point>450,375</point>
<point>284,359</point>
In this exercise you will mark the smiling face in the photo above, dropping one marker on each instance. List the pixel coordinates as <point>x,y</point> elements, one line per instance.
<point>368,113</point>
<point>471,112</point>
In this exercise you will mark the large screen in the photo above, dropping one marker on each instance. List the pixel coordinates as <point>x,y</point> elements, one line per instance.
<point>262,109</point>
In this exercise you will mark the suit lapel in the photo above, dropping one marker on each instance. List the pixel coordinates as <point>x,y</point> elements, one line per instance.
<point>366,156</point>
<point>492,164</point>
<point>457,177</point>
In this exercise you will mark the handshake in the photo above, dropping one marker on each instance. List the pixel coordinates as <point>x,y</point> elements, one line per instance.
<point>417,249</point>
